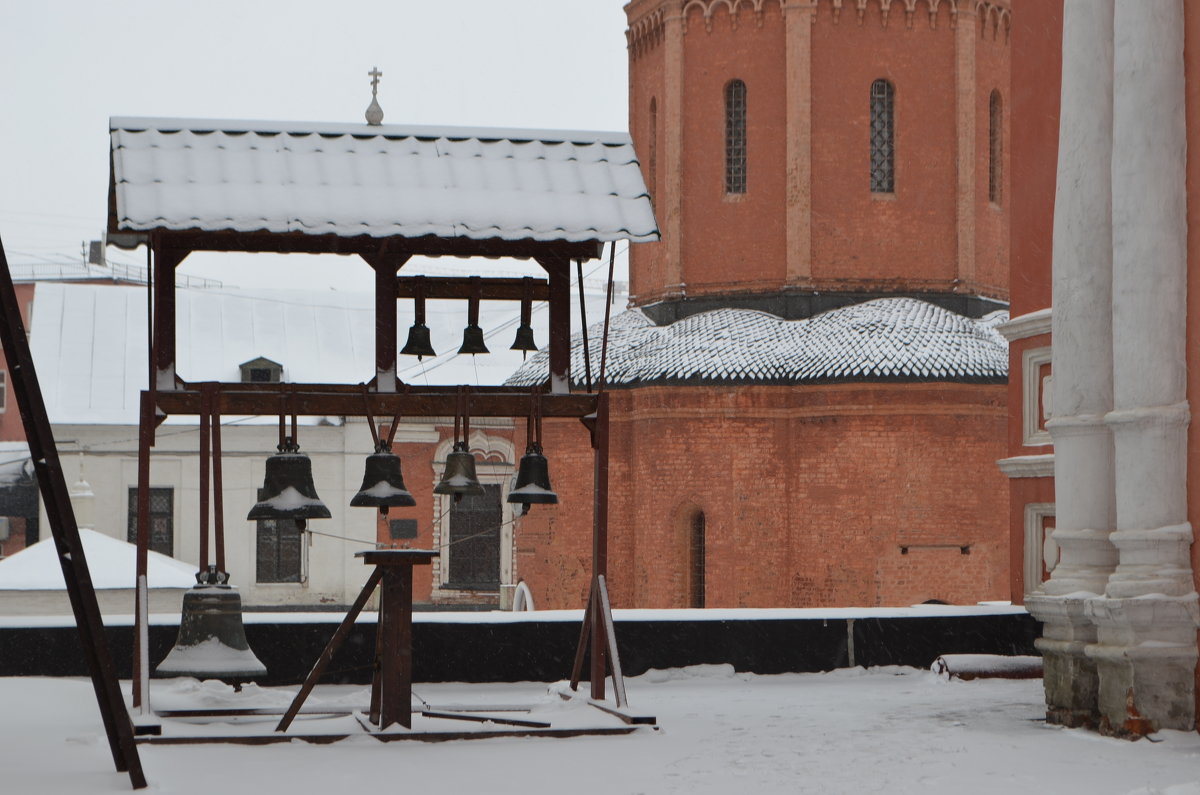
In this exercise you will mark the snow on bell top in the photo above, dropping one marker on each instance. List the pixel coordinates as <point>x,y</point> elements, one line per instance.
<point>374,113</point>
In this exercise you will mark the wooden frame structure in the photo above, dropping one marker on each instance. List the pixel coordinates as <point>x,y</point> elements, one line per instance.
<point>169,394</point>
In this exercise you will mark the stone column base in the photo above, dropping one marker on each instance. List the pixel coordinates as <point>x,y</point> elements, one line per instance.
<point>1146,662</point>
<point>1069,676</point>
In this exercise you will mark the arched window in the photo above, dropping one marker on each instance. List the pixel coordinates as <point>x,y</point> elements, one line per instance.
<point>735,137</point>
<point>995,147</point>
<point>653,162</point>
<point>696,560</point>
<point>883,137</point>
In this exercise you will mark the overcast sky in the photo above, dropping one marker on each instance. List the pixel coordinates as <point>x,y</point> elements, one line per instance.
<point>66,66</point>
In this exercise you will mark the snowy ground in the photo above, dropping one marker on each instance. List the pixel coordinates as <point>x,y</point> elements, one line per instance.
<point>891,730</point>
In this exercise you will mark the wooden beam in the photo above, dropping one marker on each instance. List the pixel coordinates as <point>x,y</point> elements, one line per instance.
<point>498,289</point>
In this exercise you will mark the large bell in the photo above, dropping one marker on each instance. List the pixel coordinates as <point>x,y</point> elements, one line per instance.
<point>524,340</point>
<point>288,489</point>
<point>473,340</point>
<point>459,478</point>
<point>418,342</point>
<point>212,640</point>
<point>383,485</point>
<point>533,479</point>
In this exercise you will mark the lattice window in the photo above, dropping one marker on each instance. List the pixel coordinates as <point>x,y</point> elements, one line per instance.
<point>279,549</point>
<point>474,559</point>
<point>735,137</point>
<point>696,551</point>
<point>162,519</point>
<point>995,147</point>
<point>883,137</point>
<point>653,148</point>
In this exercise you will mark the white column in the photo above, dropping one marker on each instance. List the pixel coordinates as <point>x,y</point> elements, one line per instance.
<point>1082,350</point>
<point>1146,650</point>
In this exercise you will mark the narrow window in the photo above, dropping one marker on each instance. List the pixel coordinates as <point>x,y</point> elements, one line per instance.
<point>474,547</point>
<point>883,138</point>
<point>279,549</point>
<point>995,147</point>
<point>162,519</point>
<point>696,555</point>
<point>653,147</point>
<point>735,137</point>
<point>3,390</point>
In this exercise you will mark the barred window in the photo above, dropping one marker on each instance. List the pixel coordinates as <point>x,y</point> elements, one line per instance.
<point>696,550</point>
<point>995,147</point>
<point>735,137</point>
<point>474,547</point>
<point>883,137</point>
<point>162,519</point>
<point>653,162</point>
<point>278,549</point>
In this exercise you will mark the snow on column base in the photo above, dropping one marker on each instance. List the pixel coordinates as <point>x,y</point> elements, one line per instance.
<point>1069,676</point>
<point>1146,662</point>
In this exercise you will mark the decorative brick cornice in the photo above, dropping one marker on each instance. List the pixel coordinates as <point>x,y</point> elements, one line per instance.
<point>735,7</point>
<point>646,33</point>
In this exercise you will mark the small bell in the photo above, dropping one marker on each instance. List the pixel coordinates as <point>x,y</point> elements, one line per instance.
<point>212,638</point>
<point>459,477</point>
<point>473,340</point>
<point>383,484</point>
<point>418,343</point>
<point>473,334</point>
<point>288,489</point>
<point>533,479</point>
<point>524,341</point>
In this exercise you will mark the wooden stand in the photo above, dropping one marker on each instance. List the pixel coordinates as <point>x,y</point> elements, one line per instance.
<point>391,687</point>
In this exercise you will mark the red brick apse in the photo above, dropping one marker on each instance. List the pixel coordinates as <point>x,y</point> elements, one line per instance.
<point>852,184</point>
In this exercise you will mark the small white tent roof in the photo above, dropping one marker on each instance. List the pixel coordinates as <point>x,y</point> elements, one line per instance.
<point>111,562</point>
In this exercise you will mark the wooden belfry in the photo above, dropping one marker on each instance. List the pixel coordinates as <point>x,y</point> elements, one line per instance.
<point>385,194</point>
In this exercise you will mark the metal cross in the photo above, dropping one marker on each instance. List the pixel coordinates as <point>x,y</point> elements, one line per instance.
<point>375,74</point>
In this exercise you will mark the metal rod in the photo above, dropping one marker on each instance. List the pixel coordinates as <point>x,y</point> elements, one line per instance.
<point>205,468</point>
<point>370,419</point>
<point>612,258</point>
<point>141,674</point>
<point>218,485</point>
<point>587,356</point>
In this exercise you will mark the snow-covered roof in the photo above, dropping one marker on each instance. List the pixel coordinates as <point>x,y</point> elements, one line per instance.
<point>89,341</point>
<point>887,338</point>
<point>388,180</point>
<point>111,564</point>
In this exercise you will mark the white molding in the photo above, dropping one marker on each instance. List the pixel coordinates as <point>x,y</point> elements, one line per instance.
<point>1031,324</point>
<point>1028,466</point>
<point>1031,390</point>
<point>1038,551</point>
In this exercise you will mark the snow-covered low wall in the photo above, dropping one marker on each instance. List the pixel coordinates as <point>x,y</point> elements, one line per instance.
<point>540,646</point>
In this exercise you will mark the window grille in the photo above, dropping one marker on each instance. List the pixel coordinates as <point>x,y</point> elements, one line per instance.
<point>697,554</point>
<point>883,138</point>
<point>653,147</point>
<point>995,147</point>
<point>474,547</point>
<point>735,137</point>
<point>279,549</point>
<point>162,519</point>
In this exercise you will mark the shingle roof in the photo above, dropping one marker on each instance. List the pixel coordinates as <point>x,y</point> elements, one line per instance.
<point>354,179</point>
<point>885,339</point>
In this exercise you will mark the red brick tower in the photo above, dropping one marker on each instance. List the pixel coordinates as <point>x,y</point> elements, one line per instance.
<point>841,146</point>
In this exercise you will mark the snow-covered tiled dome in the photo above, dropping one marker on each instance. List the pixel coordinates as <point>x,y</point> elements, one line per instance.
<point>888,338</point>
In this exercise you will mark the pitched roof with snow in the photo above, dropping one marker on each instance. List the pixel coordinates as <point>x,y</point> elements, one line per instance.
<point>388,180</point>
<point>885,339</point>
<point>112,563</point>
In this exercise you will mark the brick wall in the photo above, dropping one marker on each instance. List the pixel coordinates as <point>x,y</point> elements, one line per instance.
<point>812,496</point>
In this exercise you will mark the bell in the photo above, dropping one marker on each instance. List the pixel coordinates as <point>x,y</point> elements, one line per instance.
<point>524,341</point>
<point>212,640</point>
<point>418,342</point>
<point>288,490</point>
<point>383,485</point>
<point>459,477</point>
<point>533,480</point>
<point>473,340</point>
